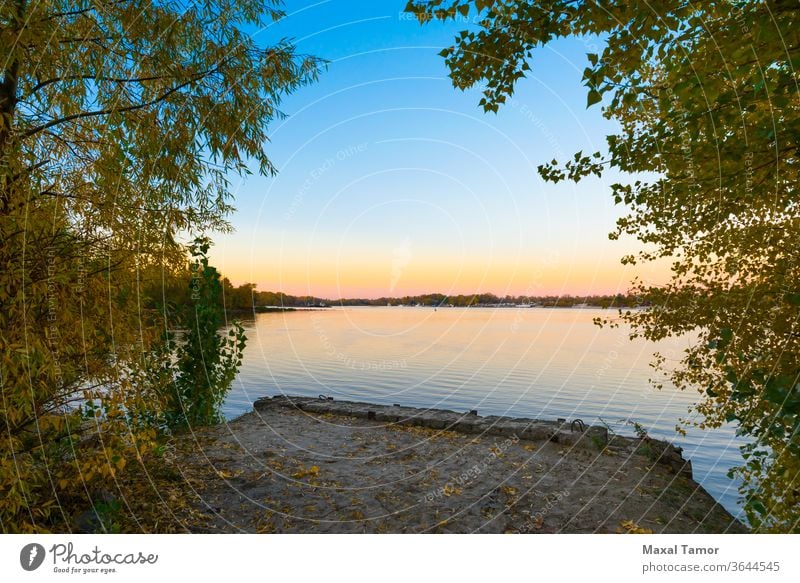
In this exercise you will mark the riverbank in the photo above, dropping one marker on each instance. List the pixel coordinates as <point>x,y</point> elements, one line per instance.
<point>271,310</point>
<point>322,466</point>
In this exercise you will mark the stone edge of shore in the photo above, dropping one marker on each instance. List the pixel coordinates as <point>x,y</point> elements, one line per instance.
<point>572,433</point>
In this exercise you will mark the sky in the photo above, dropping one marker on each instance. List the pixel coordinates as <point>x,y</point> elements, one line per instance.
<point>391,182</point>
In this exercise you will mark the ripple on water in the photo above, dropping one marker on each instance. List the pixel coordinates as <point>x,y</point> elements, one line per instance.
<point>541,363</point>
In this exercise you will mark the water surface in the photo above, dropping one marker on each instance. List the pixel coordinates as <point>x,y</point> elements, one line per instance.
<point>523,362</point>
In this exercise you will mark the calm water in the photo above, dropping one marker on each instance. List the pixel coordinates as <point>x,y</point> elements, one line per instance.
<point>527,362</point>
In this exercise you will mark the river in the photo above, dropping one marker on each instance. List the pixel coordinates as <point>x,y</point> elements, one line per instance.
<point>523,362</point>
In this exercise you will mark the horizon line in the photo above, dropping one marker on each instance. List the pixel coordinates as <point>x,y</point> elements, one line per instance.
<point>451,295</point>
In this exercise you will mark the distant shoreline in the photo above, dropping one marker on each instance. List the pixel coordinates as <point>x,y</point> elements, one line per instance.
<point>270,309</point>
<point>278,309</point>
<point>246,295</point>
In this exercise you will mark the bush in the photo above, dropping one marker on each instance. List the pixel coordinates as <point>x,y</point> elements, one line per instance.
<point>205,362</point>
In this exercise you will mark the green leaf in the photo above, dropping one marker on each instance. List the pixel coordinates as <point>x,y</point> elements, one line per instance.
<point>792,298</point>
<point>756,505</point>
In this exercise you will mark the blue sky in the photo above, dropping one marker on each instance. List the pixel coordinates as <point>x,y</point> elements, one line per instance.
<point>393,182</point>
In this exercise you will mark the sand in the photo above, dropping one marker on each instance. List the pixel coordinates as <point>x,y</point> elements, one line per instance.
<point>283,470</point>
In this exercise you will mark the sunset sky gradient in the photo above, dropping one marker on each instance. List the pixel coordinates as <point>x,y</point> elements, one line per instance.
<point>391,182</point>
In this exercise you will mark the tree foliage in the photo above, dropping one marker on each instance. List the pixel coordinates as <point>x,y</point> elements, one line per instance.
<point>205,363</point>
<point>121,122</point>
<point>706,97</point>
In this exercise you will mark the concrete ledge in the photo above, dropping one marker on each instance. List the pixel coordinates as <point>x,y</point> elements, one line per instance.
<point>528,429</point>
<point>562,432</point>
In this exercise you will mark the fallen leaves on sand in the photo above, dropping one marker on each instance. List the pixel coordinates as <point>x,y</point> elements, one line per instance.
<point>226,475</point>
<point>449,490</point>
<point>497,451</point>
<point>313,471</point>
<point>509,491</point>
<point>630,527</point>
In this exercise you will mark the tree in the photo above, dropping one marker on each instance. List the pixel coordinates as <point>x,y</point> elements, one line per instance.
<point>706,96</point>
<point>121,122</point>
<point>205,363</point>
<point>241,298</point>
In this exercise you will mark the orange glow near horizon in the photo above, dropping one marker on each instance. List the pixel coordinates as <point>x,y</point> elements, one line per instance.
<point>372,274</point>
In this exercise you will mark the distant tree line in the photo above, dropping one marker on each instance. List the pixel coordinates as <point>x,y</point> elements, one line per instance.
<point>488,299</point>
<point>246,297</point>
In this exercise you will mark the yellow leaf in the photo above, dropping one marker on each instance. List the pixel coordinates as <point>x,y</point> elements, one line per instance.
<point>451,490</point>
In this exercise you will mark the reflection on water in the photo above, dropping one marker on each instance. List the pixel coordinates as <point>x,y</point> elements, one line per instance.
<point>527,362</point>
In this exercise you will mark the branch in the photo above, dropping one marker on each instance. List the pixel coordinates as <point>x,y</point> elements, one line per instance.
<point>42,84</point>
<point>79,12</point>
<point>101,112</point>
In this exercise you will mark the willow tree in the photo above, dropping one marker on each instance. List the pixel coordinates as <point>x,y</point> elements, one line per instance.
<point>121,122</point>
<point>706,96</point>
